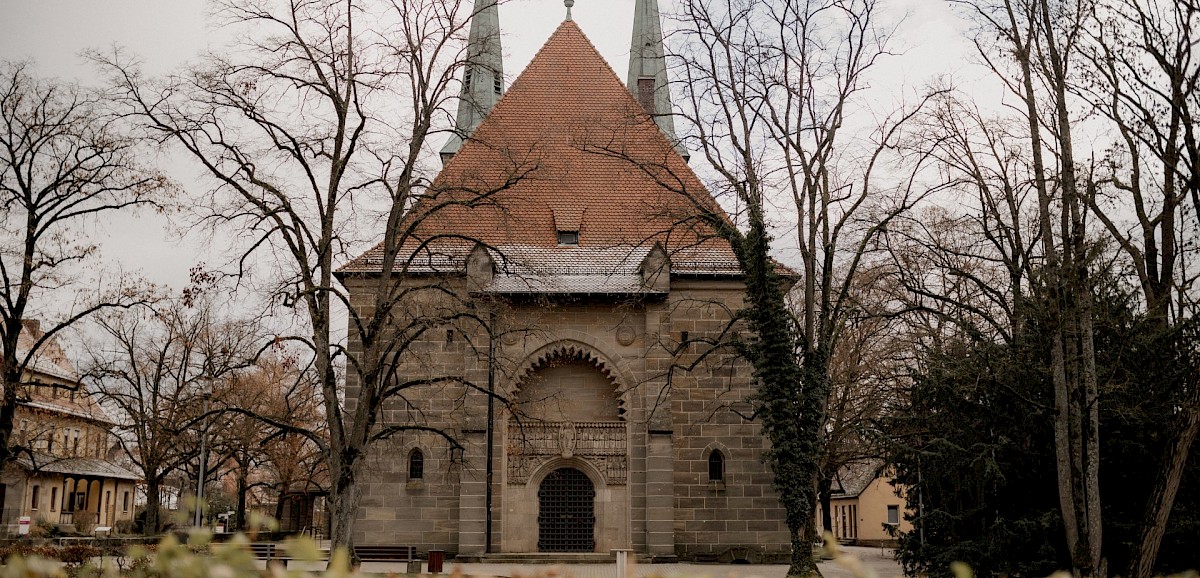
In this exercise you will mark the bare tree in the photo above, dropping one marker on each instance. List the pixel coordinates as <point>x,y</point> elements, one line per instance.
<point>967,266</point>
<point>254,452</point>
<point>64,161</point>
<point>329,106</point>
<point>152,369</point>
<point>769,89</point>
<point>1146,80</point>
<point>1033,47</point>
<point>866,372</point>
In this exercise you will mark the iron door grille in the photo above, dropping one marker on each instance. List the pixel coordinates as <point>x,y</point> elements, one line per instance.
<point>567,517</point>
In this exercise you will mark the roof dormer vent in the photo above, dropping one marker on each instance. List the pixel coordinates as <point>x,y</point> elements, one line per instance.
<point>568,221</point>
<point>568,238</point>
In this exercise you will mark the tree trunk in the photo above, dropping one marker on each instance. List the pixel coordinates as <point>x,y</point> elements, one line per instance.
<point>343,507</point>
<point>153,504</point>
<point>793,399</point>
<point>238,523</point>
<point>279,503</point>
<point>825,493</point>
<point>11,375</point>
<point>1166,486</point>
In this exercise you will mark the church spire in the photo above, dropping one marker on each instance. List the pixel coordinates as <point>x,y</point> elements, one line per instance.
<point>483,75</point>
<point>648,68</point>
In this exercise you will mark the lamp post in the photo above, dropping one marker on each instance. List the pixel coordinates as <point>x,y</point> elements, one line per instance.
<point>200,475</point>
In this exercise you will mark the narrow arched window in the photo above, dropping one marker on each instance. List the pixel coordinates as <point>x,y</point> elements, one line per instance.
<point>416,465</point>
<point>716,466</point>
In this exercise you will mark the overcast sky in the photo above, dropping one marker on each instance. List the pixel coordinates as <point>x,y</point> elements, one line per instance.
<point>167,33</point>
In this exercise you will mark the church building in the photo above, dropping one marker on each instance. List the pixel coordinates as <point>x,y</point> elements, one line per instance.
<point>585,315</point>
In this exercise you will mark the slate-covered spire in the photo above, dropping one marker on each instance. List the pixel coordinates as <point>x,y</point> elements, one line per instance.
<point>648,67</point>
<point>483,75</point>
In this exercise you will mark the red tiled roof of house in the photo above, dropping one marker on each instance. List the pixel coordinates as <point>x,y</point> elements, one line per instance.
<point>568,144</point>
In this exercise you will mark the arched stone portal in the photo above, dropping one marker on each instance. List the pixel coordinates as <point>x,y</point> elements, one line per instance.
<point>566,512</point>
<point>566,486</point>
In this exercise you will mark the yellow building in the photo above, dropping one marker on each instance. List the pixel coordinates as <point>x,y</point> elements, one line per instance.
<point>867,510</point>
<point>63,474</point>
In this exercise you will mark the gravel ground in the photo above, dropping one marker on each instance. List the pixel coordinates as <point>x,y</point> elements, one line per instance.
<point>876,562</point>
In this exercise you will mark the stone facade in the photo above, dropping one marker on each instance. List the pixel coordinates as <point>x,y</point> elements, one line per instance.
<point>629,392</point>
<point>549,268</point>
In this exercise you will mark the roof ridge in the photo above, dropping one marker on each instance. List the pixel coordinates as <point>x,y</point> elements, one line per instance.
<point>563,28</point>
<point>503,97</point>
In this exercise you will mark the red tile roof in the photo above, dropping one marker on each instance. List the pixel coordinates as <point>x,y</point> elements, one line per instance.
<point>567,143</point>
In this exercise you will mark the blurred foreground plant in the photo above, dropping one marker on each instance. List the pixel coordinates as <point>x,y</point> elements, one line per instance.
<point>199,558</point>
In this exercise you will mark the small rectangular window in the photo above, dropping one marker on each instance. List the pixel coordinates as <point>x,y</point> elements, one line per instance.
<point>33,502</point>
<point>893,515</point>
<point>53,499</point>
<point>125,502</point>
<point>467,80</point>
<point>568,237</point>
<point>497,82</point>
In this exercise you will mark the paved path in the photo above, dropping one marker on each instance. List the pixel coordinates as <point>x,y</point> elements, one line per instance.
<point>875,562</point>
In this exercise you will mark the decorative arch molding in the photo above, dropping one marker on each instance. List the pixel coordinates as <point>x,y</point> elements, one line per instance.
<point>589,469</point>
<point>708,449</point>
<point>574,350</point>
<point>534,447</point>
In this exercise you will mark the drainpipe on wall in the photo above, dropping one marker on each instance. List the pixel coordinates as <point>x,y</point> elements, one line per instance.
<point>487,505</point>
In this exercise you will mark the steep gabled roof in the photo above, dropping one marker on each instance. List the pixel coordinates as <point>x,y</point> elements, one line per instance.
<point>568,144</point>
<point>853,478</point>
<point>51,365</point>
<point>51,359</point>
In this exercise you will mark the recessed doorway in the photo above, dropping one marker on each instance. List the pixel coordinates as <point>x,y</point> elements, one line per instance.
<point>567,512</point>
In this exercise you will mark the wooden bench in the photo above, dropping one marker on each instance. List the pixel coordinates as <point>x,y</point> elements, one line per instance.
<point>270,552</point>
<point>385,553</point>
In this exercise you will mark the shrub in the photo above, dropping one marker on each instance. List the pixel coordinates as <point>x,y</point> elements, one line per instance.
<point>85,523</point>
<point>77,554</point>
<point>43,528</point>
<point>123,526</point>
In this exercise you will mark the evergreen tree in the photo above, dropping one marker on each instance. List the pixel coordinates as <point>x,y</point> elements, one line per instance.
<point>973,444</point>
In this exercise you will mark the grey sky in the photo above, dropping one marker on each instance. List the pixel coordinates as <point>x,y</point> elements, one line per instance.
<point>166,33</point>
